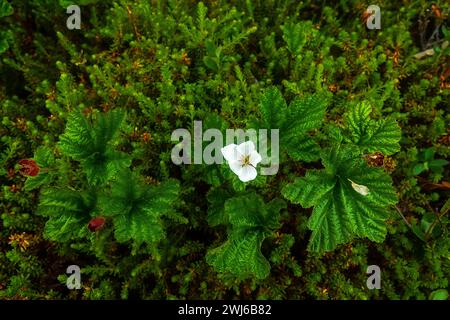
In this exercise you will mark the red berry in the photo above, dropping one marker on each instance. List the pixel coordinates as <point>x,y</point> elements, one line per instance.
<point>29,167</point>
<point>96,224</point>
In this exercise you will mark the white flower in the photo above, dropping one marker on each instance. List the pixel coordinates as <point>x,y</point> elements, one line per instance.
<point>242,159</point>
<point>361,189</point>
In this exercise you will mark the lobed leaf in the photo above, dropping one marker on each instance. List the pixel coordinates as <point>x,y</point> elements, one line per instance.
<point>252,221</point>
<point>69,212</point>
<point>137,208</point>
<point>340,212</point>
<point>370,135</point>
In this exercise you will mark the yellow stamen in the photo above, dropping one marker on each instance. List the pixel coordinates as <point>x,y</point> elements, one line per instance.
<point>246,161</point>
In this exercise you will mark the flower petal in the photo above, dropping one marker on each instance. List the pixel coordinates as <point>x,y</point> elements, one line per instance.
<point>229,152</point>
<point>255,158</point>
<point>236,167</point>
<point>247,173</point>
<point>245,148</point>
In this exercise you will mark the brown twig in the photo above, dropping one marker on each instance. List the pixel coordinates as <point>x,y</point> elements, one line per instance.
<point>401,214</point>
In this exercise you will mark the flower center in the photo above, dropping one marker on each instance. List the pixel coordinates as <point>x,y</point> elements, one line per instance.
<point>246,160</point>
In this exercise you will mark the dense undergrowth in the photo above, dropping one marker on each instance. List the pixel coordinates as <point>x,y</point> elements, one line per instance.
<point>364,133</point>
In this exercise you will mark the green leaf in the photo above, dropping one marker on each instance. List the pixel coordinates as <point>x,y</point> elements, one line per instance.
<point>100,168</point>
<point>273,108</point>
<point>77,141</point>
<point>303,115</point>
<point>437,165</point>
<point>44,157</point>
<point>241,255</point>
<point>441,294</point>
<point>371,135</point>
<point>307,113</point>
<point>211,48</point>
<point>251,222</point>
<point>428,154</point>
<point>137,208</point>
<point>91,145</point>
<point>334,133</point>
<point>106,127</point>
<point>41,179</point>
<point>82,139</point>
<point>308,194</point>
<point>417,230</point>
<point>341,212</point>
<point>216,211</point>
<point>69,212</point>
<point>5,9</point>
<point>418,169</point>
<point>211,63</point>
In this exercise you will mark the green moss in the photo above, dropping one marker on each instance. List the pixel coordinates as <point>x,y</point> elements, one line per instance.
<point>169,63</point>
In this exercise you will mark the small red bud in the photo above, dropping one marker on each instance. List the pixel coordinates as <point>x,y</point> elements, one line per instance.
<point>96,224</point>
<point>29,167</point>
